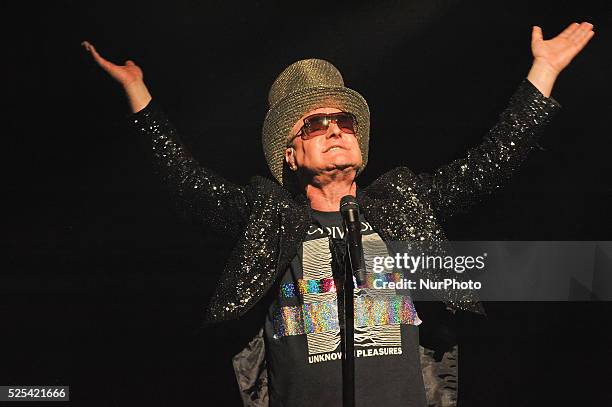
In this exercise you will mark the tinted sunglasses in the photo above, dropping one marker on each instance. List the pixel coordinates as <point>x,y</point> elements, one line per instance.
<point>318,124</point>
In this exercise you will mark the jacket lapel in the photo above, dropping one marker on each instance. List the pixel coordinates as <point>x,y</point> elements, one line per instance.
<point>295,218</point>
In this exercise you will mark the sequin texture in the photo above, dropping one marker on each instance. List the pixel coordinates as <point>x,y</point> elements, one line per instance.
<point>322,316</point>
<point>324,285</point>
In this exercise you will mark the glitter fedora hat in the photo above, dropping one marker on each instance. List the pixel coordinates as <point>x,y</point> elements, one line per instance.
<point>303,86</point>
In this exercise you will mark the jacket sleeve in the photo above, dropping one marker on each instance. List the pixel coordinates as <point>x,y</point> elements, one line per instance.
<point>201,196</point>
<point>455,187</point>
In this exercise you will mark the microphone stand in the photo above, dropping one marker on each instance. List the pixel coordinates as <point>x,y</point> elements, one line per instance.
<point>346,314</point>
<point>346,305</point>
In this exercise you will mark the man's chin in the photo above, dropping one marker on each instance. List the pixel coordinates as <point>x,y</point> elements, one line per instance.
<point>343,167</point>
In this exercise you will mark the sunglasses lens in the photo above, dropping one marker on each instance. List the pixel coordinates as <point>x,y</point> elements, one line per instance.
<point>318,125</point>
<point>346,123</point>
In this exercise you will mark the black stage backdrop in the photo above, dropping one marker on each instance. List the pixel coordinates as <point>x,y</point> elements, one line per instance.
<point>103,288</point>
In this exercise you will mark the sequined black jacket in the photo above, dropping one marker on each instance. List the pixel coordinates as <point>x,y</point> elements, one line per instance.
<point>268,222</point>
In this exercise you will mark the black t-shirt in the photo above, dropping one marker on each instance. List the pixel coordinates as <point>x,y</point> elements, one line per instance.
<point>302,336</point>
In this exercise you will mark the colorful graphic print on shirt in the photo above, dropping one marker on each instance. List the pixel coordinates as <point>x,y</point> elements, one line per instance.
<point>378,312</point>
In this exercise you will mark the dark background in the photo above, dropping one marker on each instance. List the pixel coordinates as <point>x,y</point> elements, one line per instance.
<point>103,289</point>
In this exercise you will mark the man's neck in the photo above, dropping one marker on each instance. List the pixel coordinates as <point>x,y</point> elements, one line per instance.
<point>325,194</point>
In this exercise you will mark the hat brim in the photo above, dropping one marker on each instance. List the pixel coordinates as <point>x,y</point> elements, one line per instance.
<point>285,112</point>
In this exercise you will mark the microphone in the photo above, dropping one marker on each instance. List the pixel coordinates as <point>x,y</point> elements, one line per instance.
<point>350,214</point>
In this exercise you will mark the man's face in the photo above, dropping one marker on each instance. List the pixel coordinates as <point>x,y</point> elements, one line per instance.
<point>335,150</point>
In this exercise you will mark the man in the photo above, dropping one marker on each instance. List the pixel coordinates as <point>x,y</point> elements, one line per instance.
<point>289,231</point>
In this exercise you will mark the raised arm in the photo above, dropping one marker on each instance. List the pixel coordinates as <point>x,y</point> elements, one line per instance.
<point>200,195</point>
<point>455,187</point>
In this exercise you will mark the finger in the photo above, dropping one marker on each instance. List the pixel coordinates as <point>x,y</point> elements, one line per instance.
<point>536,34</point>
<point>581,44</point>
<point>569,30</point>
<point>579,36</point>
<point>129,62</point>
<point>581,32</point>
<point>104,63</point>
<point>88,46</point>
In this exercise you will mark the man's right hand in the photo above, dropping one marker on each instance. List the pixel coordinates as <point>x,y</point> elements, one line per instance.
<point>130,76</point>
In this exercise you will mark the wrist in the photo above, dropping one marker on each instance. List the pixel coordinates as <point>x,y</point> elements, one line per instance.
<point>544,68</point>
<point>138,95</point>
<point>543,76</point>
<point>135,87</point>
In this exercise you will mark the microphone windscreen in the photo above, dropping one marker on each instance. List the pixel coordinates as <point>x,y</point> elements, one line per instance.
<point>348,202</point>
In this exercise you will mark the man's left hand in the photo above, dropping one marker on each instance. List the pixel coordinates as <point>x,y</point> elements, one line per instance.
<point>550,57</point>
<point>558,52</point>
